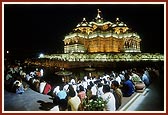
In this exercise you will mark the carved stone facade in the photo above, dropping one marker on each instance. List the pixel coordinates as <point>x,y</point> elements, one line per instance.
<point>101,36</point>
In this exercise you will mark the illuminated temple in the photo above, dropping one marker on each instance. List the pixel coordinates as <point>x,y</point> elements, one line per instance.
<point>100,42</point>
<point>100,36</point>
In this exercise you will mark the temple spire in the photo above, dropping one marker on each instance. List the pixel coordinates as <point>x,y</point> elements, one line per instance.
<point>117,19</point>
<point>98,14</point>
<point>84,20</point>
<point>99,19</point>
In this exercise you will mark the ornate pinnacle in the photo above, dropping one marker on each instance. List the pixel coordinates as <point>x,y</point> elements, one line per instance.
<point>117,19</point>
<point>98,13</point>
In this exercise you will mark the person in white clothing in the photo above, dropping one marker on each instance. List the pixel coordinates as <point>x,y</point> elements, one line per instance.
<point>118,79</point>
<point>72,81</point>
<point>41,72</point>
<point>42,85</point>
<point>85,84</point>
<point>93,89</point>
<point>100,89</point>
<point>9,76</point>
<point>56,90</point>
<point>109,98</point>
<point>73,100</point>
<point>121,75</point>
<point>65,87</point>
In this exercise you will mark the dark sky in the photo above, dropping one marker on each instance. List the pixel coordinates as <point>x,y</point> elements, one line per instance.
<point>30,29</point>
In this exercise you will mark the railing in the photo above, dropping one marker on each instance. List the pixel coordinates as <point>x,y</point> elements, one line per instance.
<point>106,57</point>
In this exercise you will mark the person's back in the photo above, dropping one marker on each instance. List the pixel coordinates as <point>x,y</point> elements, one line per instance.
<point>109,98</point>
<point>47,89</point>
<point>62,94</point>
<point>128,87</point>
<point>81,93</point>
<point>72,81</point>
<point>42,86</point>
<point>93,89</point>
<point>145,79</point>
<point>73,100</point>
<point>100,89</point>
<point>61,98</point>
<point>89,92</point>
<point>8,76</point>
<point>56,90</point>
<point>135,77</point>
<point>85,84</point>
<point>118,79</point>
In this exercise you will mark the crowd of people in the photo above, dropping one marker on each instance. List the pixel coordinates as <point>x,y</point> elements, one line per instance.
<point>71,95</point>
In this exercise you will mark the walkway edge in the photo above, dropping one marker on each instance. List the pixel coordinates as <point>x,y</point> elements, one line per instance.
<point>125,107</point>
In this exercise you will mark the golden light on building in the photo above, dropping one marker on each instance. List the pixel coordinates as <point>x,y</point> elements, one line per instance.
<point>101,36</point>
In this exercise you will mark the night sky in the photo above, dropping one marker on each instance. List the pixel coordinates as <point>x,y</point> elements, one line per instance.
<point>31,29</point>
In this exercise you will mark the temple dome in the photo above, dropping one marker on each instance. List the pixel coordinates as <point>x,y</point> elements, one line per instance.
<point>84,23</point>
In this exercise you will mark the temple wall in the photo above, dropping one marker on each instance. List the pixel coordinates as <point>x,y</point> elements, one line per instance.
<point>102,44</point>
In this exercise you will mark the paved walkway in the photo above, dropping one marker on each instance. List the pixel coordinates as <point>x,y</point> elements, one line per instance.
<point>152,99</point>
<point>30,100</point>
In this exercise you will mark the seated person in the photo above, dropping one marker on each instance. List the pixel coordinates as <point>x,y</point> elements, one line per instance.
<point>145,79</point>
<point>61,99</point>
<point>128,86</point>
<point>47,88</point>
<point>109,98</point>
<point>73,100</point>
<point>117,93</point>
<point>81,93</point>
<point>42,85</point>
<point>18,87</point>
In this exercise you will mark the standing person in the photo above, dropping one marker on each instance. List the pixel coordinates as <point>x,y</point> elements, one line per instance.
<point>109,98</point>
<point>128,86</point>
<point>117,93</point>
